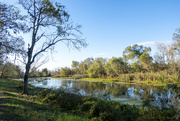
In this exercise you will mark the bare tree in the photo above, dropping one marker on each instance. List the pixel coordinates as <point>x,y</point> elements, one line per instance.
<point>49,24</point>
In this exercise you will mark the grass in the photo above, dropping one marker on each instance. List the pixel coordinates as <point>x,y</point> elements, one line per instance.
<point>64,77</point>
<point>61,105</point>
<point>149,78</point>
<point>101,80</point>
<point>17,107</point>
<point>156,79</point>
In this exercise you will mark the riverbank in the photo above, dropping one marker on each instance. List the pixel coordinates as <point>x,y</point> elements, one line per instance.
<point>48,104</point>
<point>17,107</point>
<point>156,79</point>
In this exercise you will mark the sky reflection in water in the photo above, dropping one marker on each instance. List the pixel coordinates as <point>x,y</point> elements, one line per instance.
<point>124,93</point>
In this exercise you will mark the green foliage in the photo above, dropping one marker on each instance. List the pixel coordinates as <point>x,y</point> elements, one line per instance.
<point>118,65</point>
<point>45,72</point>
<point>155,113</point>
<point>92,107</point>
<point>136,66</point>
<point>97,68</point>
<point>9,70</point>
<point>134,52</point>
<point>80,76</point>
<point>9,27</point>
<point>75,67</point>
<point>105,80</point>
<point>61,98</point>
<point>145,59</point>
<point>65,72</point>
<point>157,78</point>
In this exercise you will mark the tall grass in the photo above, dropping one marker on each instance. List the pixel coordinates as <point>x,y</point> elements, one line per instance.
<point>158,77</point>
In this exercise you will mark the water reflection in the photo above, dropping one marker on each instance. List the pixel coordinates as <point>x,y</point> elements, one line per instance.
<point>126,93</point>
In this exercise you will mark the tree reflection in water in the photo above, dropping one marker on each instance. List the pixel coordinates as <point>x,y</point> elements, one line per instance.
<point>155,95</point>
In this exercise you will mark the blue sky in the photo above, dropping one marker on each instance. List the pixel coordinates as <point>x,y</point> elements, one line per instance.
<point>109,26</point>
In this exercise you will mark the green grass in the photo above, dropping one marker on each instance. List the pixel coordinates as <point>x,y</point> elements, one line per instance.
<point>17,107</point>
<point>149,78</point>
<point>101,80</point>
<point>156,79</point>
<point>61,105</point>
<point>64,77</point>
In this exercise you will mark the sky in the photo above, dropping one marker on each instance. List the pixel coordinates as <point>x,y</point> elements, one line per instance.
<point>109,26</point>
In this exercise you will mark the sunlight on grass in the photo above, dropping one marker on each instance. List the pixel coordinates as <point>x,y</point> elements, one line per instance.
<point>13,105</point>
<point>17,107</point>
<point>66,117</point>
<point>101,80</point>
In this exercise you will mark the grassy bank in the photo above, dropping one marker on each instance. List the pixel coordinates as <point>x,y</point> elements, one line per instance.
<point>48,104</point>
<point>17,107</point>
<point>149,78</point>
<point>158,78</point>
<point>102,80</point>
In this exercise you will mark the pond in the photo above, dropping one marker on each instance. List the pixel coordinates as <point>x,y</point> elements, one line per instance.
<point>133,94</point>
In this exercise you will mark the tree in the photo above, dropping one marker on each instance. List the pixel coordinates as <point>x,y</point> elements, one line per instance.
<point>176,43</point>
<point>75,66</point>
<point>11,70</point>
<point>134,52</point>
<point>146,60</point>
<point>170,54</point>
<point>163,50</point>
<point>109,70</point>
<point>136,66</point>
<point>86,65</point>
<point>97,68</point>
<point>176,50</point>
<point>49,24</point>
<point>19,71</point>
<point>45,72</point>
<point>9,27</point>
<point>118,65</point>
<point>65,72</point>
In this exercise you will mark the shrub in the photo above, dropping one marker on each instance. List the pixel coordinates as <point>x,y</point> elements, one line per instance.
<point>102,110</point>
<point>61,98</point>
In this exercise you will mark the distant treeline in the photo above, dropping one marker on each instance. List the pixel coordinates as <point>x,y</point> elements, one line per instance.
<point>135,59</point>
<point>135,64</point>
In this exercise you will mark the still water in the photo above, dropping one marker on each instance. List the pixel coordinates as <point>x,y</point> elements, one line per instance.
<point>132,94</point>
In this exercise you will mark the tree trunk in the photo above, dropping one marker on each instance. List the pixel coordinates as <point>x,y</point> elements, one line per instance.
<point>26,76</point>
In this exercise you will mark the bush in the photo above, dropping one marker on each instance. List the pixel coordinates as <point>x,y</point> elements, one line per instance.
<point>100,110</point>
<point>61,98</point>
<point>80,76</point>
<point>164,114</point>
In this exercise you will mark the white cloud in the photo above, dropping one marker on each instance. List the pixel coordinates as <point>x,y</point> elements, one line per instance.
<point>147,43</point>
<point>151,43</point>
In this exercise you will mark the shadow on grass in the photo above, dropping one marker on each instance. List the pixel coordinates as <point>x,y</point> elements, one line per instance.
<point>18,108</point>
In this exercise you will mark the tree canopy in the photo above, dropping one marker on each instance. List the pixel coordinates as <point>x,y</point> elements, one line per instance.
<point>10,25</point>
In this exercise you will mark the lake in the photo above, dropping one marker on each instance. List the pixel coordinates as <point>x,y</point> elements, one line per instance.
<point>133,94</point>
